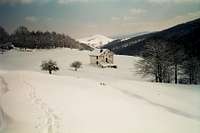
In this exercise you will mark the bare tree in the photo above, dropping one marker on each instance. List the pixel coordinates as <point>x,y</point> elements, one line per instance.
<point>49,66</point>
<point>176,57</point>
<point>191,70</point>
<point>155,61</point>
<point>76,65</point>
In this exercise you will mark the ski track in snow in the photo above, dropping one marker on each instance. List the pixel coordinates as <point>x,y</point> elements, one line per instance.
<point>167,108</point>
<point>3,90</point>
<point>4,86</point>
<point>50,122</point>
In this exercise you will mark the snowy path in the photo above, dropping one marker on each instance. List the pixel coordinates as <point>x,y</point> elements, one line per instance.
<point>167,108</point>
<point>50,121</point>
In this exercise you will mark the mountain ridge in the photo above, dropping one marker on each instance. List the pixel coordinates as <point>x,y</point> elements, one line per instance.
<point>185,35</point>
<point>96,41</point>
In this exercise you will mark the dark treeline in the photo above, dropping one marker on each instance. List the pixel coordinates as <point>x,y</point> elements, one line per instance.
<point>169,62</point>
<point>4,36</point>
<point>23,38</point>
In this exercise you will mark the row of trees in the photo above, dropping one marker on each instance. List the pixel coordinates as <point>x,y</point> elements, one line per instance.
<point>51,66</point>
<point>4,36</point>
<point>168,62</point>
<point>23,38</point>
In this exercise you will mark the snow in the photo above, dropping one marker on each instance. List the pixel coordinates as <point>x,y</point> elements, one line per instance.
<point>91,100</point>
<point>96,41</point>
<point>124,39</point>
<point>98,52</point>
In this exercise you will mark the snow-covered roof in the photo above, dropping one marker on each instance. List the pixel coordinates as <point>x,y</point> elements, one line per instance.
<point>98,52</point>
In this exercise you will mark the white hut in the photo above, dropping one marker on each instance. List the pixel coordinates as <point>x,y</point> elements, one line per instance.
<point>102,57</point>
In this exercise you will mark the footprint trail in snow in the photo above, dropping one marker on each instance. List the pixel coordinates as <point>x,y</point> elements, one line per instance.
<point>49,122</point>
<point>3,90</point>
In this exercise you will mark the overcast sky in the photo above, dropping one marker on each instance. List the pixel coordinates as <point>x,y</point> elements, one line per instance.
<point>82,18</point>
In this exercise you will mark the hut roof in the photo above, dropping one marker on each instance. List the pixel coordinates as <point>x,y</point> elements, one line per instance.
<point>98,52</point>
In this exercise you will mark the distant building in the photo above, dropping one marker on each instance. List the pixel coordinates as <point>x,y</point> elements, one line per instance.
<point>102,58</point>
<point>7,46</point>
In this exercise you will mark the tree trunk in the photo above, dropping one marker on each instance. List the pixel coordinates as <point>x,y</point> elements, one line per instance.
<point>176,73</point>
<point>156,77</point>
<point>190,77</point>
<point>160,73</point>
<point>50,72</point>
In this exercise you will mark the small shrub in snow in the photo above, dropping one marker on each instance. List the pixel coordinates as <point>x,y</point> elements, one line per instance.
<point>102,83</point>
<point>76,65</point>
<point>49,66</point>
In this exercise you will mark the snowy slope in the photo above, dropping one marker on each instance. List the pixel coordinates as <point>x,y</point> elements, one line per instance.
<point>96,41</point>
<point>77,102</point>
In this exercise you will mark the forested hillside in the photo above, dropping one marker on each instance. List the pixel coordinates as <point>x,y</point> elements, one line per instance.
<point>185,35</point>
<point>171,55</point>
<point>23,38</point>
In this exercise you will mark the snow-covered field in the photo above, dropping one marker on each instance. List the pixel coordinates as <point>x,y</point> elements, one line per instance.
<point>33,101</point>
<point>31,61</point>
